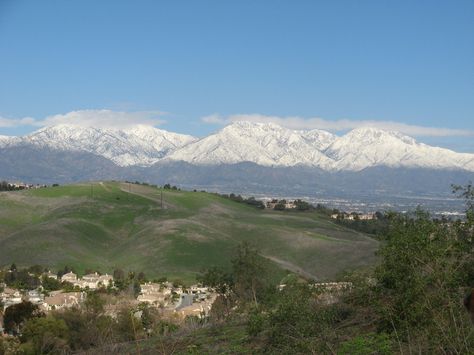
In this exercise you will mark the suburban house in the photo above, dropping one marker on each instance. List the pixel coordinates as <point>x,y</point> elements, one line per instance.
<point>59,300</point>
<point>155,293</point>
<point>35,296</point>
<point>10,296</point>
<point>91,281</point>
<point>69,277</point>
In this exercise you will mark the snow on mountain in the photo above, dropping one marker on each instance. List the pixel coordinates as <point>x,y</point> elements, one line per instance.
<point>160,138</point>
<point>141,145</point>
<point>4,140</point>
<point>264,144</point>
<point>318,138</point>
<point>367,147</point>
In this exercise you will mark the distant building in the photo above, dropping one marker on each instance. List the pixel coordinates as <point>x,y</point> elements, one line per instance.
<point>91,281</point>
<point>69,277</point>
<point>10,296</point>
<point>185,300</point>
<point>35,296</point>
<point>94,281</point>
<point>155,293</point>
<point>59,300</point>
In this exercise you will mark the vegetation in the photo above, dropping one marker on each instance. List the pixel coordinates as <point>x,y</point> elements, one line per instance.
<point>377,227</point>
<point>112,225</point>
<point>411,302</point>
<point>251,201</point>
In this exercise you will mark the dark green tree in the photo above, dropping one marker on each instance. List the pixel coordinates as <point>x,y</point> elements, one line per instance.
<point>16,315</point>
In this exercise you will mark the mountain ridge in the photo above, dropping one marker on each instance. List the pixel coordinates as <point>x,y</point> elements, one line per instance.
<point>265,144</point>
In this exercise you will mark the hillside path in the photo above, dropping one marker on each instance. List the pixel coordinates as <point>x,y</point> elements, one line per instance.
<point>154,199</point>
<point>292,267</point>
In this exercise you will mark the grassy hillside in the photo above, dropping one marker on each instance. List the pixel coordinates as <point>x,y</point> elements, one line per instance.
<point>111,224</point>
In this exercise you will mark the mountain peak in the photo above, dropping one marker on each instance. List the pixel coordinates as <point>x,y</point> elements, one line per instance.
<point>246,125</point>
<point>376,134</point>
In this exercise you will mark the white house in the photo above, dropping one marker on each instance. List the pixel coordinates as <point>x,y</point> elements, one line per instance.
<point>69,277</point>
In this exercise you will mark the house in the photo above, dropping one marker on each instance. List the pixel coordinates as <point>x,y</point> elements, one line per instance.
<point>199,293</point>
<point>155,293</point>
<point>150,287</point>
<point>69,277</point>
<point>196,309</point>
<point>59,300</point>
<point>35,296</point>
<point>185,300</point>
<point>91,281</point>
<point>95,280</point>
<point>106,280</point>
<point>10,296</point>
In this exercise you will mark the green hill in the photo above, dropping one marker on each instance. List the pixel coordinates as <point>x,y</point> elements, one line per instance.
<point>107,225</point>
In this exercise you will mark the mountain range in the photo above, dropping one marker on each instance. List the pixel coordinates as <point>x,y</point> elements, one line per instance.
<point>263,144</point>
<point>244,157</point>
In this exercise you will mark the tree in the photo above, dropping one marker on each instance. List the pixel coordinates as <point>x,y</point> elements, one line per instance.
<point>50,284</point>
<point>119,274</point>
<point>141,277</point>
<point>216,278</point>
<point>36,269</point>
<point>94,304</point>
<point>21,279</point>
<point>16,315</point>
<point>425,266</point>
<point>280,206</point>
<point>47,335</point>
<point>303,205</point>
<point>248,274</point>
<point>299,324</point>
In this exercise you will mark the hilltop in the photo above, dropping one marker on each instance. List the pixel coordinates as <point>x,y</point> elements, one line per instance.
<point>104,225</point>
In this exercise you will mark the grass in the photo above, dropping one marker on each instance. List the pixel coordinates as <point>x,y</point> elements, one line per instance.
<point>112,224</point>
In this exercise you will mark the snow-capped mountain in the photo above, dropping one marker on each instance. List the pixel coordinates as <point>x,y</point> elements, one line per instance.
<point>362,148</point>
<point>272,145</point>
<point>140,145</point>
<point>264,144</point>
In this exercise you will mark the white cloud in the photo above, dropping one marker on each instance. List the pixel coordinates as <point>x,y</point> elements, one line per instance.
<point>214,119</point>
<point>299,123</point>
<point>10,122</point>
<point>91,118</point>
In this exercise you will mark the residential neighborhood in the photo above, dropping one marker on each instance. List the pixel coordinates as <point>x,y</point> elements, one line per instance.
<point>173,301</point>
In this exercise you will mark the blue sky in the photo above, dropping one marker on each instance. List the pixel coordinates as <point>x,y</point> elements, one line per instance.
<point>192,66</point>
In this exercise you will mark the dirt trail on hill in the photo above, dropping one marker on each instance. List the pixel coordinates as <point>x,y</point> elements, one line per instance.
<point>125,188</point>
<point>105,187</point>
<point>292,267</point>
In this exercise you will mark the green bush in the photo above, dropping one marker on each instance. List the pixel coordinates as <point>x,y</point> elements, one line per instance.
<point>379,344</point>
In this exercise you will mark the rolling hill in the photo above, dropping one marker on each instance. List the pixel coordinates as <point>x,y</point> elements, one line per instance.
<point>104,225</point>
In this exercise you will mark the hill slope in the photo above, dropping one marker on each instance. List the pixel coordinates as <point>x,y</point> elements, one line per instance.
<point>108,225</point>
